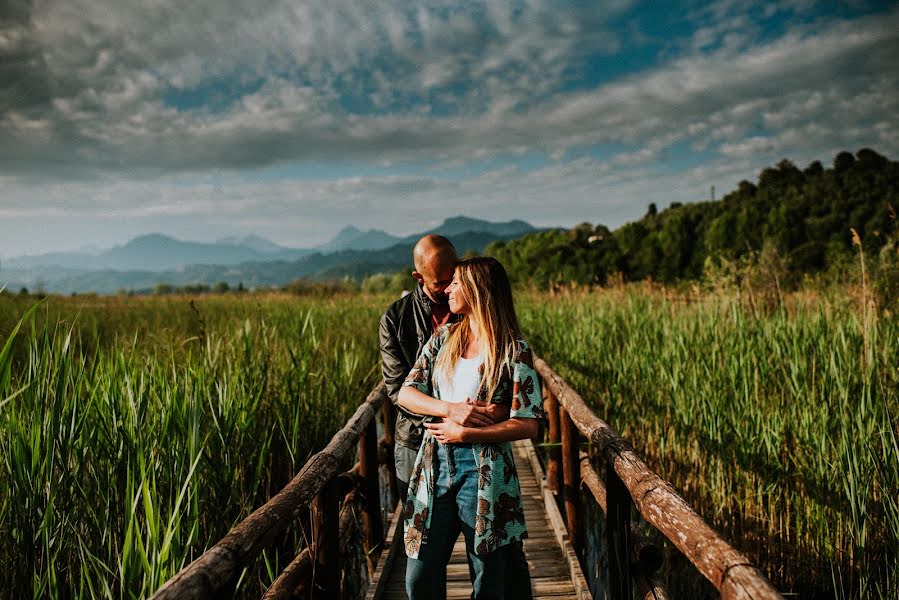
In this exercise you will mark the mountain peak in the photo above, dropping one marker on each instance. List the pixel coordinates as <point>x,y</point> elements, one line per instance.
<point>353,238</point>
<point>252,241</point>
<point>461,219</point>
<point>151,238</point>
<point>462,224</point>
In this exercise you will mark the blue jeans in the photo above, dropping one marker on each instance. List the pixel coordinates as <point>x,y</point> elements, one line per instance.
<point>455,510</point>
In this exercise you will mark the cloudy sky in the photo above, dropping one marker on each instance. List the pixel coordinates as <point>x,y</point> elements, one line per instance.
<point>292,119</point>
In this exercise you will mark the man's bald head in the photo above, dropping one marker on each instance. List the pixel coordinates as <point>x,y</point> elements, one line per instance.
<point>432,252</point>
<point>435,260</point>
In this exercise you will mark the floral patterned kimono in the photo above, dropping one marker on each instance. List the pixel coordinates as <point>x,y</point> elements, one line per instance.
<point>500,516</point>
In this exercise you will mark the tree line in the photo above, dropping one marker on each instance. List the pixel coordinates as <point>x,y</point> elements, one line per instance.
<point>801,218</point>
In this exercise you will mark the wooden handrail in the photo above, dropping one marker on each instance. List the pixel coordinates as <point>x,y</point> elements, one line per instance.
<point>214,573</point>
<point>290,584</point>
<point>661,506</point>
<point>629,482</point>
<point>646,556</point>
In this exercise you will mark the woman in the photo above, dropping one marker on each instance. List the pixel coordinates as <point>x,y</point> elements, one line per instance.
<point>464,478</point>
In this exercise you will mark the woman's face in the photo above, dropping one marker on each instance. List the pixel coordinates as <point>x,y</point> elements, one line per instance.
<point>458,303</point>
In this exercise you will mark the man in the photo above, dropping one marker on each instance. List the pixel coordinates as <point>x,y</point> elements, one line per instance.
<point>405,328</point>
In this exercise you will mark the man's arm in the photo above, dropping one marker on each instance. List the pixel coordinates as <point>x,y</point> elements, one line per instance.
<point>393,362</point>
<point>394,367</point>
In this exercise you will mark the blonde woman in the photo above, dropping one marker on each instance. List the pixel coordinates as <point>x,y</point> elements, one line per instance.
<point>464,478</point>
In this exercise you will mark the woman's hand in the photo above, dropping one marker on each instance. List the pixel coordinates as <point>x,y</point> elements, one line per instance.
<point>447,432</point>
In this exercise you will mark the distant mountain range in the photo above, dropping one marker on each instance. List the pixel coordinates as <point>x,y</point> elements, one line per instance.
<point>254,261</point>
<point>159,252</point>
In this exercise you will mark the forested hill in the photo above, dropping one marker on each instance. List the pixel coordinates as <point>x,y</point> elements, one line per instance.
<point>801,216</point>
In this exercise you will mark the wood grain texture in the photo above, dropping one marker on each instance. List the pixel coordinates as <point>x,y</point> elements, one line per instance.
<point>646,556</point>
<point>554,459</point>
<point>726,568</point>
<point>293,580</point>
<point>214,573</point>
<point>371,495</point>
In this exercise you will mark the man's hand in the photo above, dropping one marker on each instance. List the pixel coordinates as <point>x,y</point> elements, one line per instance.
<point>477,414</point>
<point>469,414</point>
<point>497,412</point>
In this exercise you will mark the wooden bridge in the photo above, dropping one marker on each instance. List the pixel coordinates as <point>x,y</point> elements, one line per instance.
<point>555,572</point>
<point>327,499</point>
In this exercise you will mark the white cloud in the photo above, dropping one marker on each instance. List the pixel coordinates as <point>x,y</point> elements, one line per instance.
<point>123,121</point>
<point>388,85</point>
<point>748,147</point>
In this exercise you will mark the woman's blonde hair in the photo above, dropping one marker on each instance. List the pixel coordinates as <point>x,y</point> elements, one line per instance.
<point>487,289</point>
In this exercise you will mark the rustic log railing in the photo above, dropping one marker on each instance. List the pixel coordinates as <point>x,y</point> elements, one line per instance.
<point>629,483</point>
<point>335,498</point>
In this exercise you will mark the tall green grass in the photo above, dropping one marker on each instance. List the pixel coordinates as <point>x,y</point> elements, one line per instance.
<point>780,429</point>
<point>135,433</point>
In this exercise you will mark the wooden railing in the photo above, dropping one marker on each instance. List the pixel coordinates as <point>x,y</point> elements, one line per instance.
<point>627,483</point>
<point>334,496</point>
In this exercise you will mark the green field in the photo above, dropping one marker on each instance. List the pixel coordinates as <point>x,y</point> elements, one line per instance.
<point>779,428</point>
<point>134,432</point>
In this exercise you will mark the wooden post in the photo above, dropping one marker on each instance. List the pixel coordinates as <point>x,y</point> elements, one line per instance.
<point>389,412</point>
<point>659,503</point>
<point>371,494</point>
<point>553,464</point>
<point>618,535</point>
<point>326,543</point>
<point>571,467</point>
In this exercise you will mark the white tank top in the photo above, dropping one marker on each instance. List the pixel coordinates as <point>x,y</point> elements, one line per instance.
<point>463,384</point>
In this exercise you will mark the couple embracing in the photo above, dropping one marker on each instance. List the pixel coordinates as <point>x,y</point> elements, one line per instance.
<point>463,379</point>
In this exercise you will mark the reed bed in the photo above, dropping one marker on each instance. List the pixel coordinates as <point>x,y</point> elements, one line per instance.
<point>134,433</point>
<point>781,428</point>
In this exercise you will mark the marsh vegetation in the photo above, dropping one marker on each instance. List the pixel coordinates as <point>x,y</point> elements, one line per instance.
<point>135,431</point>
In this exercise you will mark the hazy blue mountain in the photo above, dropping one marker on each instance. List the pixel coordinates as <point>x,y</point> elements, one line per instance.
<point>254,242</point>
<point>151,259</point>
<point>65,260</point>
<point>155,252</point>
<point>352,238</point>
<point>457,225</point>
<point>91,249</point>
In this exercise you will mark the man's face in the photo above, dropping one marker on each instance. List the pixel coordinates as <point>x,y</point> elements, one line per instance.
<point>435,278</point>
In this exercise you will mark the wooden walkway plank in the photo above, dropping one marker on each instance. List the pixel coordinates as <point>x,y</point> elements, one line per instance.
<point>555,571</point>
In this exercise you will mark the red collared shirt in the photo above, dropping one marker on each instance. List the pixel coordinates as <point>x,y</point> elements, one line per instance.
<point>440,316</point>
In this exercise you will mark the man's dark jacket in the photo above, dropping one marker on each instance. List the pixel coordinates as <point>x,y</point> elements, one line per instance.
<point>405,327</point>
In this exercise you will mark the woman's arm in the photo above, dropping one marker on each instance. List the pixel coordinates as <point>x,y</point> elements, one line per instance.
<point>462,413</point>
<point>516,428</point>
<point>416,401</point>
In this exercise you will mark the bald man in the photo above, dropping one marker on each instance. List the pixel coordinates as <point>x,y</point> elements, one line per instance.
<point>405,327</point>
